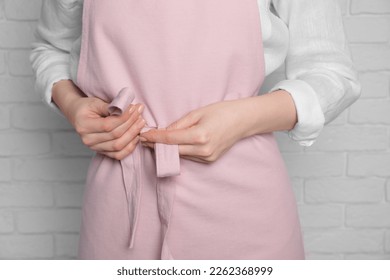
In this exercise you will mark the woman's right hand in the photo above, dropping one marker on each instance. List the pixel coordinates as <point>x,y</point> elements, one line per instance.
<point>113,136</point>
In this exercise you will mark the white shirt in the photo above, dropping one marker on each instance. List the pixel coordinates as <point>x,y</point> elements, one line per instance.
<point>307,34</point>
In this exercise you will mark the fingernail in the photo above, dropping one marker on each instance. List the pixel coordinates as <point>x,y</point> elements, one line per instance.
<point>131,109</point>
<point>142,139</point>
<point>141,108</point>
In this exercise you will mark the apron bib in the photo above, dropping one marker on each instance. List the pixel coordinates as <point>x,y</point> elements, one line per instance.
<point>175,56</point>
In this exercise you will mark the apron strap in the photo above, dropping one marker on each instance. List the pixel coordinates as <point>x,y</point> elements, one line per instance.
<point>167,160</point>
<point>121,102</point>
<point>167,156</point>
<point>167,164</point>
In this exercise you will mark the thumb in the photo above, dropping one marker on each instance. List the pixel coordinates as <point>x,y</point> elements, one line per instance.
<point>100,107</point>
<point>185,122</point>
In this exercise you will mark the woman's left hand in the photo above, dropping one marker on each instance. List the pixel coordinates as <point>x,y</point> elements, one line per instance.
<point>204,134</point>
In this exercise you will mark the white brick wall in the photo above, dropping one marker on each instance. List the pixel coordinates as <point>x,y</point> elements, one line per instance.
<point>341,183</point>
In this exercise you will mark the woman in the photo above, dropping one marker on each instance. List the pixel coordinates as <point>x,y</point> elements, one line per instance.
<point>209,182</point>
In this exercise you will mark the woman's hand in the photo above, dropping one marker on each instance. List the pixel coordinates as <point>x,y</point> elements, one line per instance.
<point>205,134</point>
<point>113,136</point>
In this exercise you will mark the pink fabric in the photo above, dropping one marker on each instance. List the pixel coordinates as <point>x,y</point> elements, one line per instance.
<point>175,56</point>
<point>167,164</point>
<point>167,160</point>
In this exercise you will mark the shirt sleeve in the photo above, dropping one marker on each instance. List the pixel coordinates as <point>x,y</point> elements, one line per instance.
<point>321,77</point>
<point>58,29</point>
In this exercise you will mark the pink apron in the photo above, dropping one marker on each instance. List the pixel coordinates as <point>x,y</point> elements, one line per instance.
<point>175,56</point>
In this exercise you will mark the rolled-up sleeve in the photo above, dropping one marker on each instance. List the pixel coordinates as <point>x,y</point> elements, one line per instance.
<point>58,29</point>
<point>321,77</point>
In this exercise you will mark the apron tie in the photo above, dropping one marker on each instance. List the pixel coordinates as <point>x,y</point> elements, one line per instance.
<point>167,165</point>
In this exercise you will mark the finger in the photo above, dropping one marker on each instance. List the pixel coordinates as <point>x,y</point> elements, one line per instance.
<point>184,150</point>
<point>112,122</point>
<point>124,152</point>
<point>187,121</point>
<point>195,159</point>
<point>120,143</point>
<point>191,152</point>
<point>96,138</point>
<point>147,144</point>
<point>181,136</point>
<point>100,107</point>
<point>109,123</point>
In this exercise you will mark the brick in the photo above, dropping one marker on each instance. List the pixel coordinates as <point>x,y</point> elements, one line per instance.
<point>49,169</point>
<point>367,257</point>
<point>344,6</point>
<point>375,85</point>
<point>344,190</point>
<point>389,138</point>
<point>351,138</point>
<point>4,117</point>
<point>321,216</point>
<point>6,221</point>
<point>339,120</point>
<point>311,256</point>
<point>69,195</point>
<point>1,9</point>
<point>16,34</point>
<point>370,112</point>
<point>69,143</point>
<point>371,57</point>
<point>5,169</point>
<point>19,63</point>
<point>367,29</point>
<point>21,143</point>
<point>52,220</point>
<point>286,144</point>
<point>377,164</point>
<point>370,216</point>
<point>2,62</point>
<point>343,241</point>
<point>37,116</point>
<point>66,245</point>
<point>26,246</point>
<point>18,89</point>
<point>22,9</point>
<point>372,6</point>
<point>26,195</point>
<point>387,245</point>
<point>309,165</point>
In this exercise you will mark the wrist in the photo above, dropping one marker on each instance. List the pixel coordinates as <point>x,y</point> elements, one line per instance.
<point>64,93</point>
<point>270,112</point>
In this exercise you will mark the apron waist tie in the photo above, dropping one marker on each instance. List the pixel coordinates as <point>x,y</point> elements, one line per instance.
<point>167,165</point>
